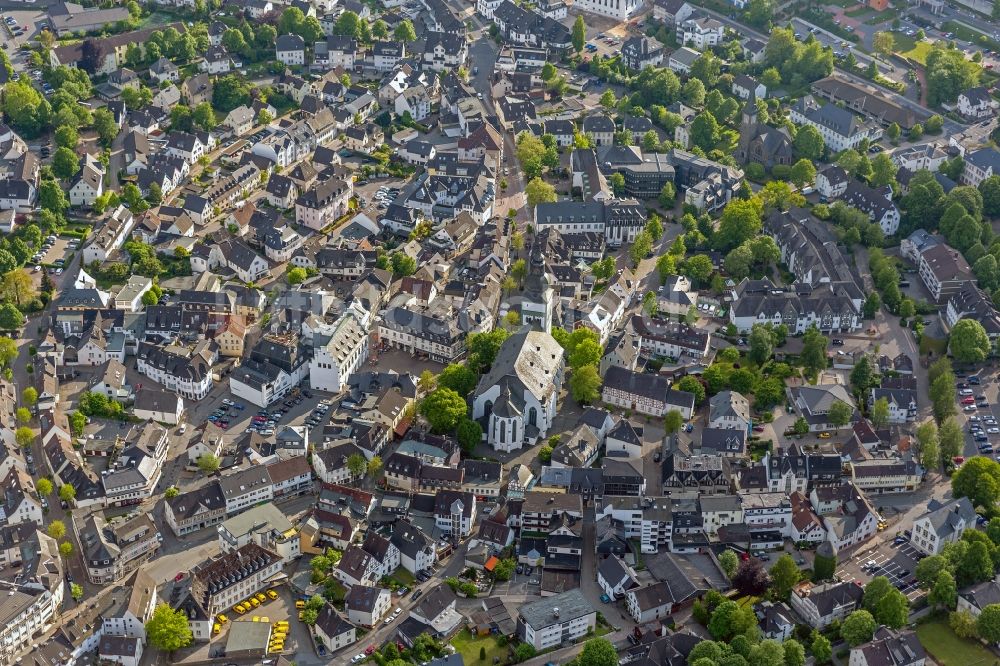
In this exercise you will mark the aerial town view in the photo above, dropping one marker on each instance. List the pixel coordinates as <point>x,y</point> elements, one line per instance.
<point>492,332</point>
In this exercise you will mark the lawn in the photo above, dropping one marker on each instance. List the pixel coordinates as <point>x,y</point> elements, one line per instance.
<point>950,650</point>
<point>469,647</point>
<point>403,577</point>
<point>908,47</point>
<point>881,17</point>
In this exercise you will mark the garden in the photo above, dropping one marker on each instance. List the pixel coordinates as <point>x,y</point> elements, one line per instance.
<point>950,650</point>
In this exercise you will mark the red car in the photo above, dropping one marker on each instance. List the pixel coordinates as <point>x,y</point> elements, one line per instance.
<point>968,400</point>
<point>369,649</point>
<point>179,577</point>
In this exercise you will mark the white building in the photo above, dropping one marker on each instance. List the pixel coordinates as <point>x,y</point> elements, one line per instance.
<point>943,523</point>
<point>520,392</point>
<point>337,355</point>
<point>621,10</point>
<point>556,620</point>
<point>701,32</point>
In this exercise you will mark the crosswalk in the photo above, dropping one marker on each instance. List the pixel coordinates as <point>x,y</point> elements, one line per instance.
<point>897,564</point>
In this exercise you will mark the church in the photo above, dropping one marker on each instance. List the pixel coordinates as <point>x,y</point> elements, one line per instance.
<point>762,143</point>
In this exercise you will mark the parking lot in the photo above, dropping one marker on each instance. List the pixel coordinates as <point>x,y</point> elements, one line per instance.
<point>297,641</point>
<point>981,416</point>
<point>57,252</point>
<point>897,562</point>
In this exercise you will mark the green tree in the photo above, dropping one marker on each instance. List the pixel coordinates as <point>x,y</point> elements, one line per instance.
<point>944,594</point>
<point>979,480</point>
<point>795,654</point>
<point>728,561</point>
<point>963,623</point>
<point>928,569</point>
<point>668,195</point>
<point>67,137</point>
<point>672,421</point>
<point>821,649</point>
<point>884,43</point>
<point>356,465</point>
<point>168,630</point>
<point>405,32</point>
<point>23,415</point>
<point>203,116</point>
<point>483,348</point>
<point>883,170</point>
<point>690,384</point>
<point>813,354</point>
<point>459,378</point>
<point>730,619</point>
<point>598,652</point>
<point>57,529</point>
<point>784,575</point>
<point>740,221</point>
<point>840,414</point>
<point>584,384</point>
<point>208,463</point>
<point>705,131</point>
<point>968,341</point>
<point>808,143</point>
<point>880,413</point>
<point>761,342</point>
<point>579,34</point>
<point>803,172</point>
<point>11,318</point>
<point>296,275</point>
<point>858,628</point>
<point>928,453</point>
<point>77,422</point>
<point>538,191</point>
<point>443,408</point>
<point>988,624</point>
<point>698,268</point>
<point>44,487</point>
<point>641,246</point>
<point>24,436</point>
<point>950,439</point>
<point>469,433</point>
<point>65,163</point>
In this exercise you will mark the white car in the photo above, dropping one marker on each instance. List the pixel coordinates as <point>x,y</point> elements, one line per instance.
<point>973,418</point>
<point>993,431</point>
<point>965,392</point>
<point>358,657</point>
<point>970,408</point>
<point>389,620</point>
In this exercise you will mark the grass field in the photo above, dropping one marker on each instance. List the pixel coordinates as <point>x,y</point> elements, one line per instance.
<point>950,650</point>
<point>908,47</point>
<point>469,645</point>
<point>881,17</point>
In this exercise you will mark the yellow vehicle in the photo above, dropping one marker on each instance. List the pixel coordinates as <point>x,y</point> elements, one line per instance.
<point>301,614</point>
<point>281,626</point>
<point>278,634</point>
<point>300,604</point>
<point>266,619</point>
<point>256,618</point>
<point>222,618</point>
<point>272,594</point>
<point>255,602</point>
<point>261,597</point>
<point>216,628</point>
<point>240,608</point>
<point>273,650</point>
<point>824,435</point>
<point>276,647</point>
